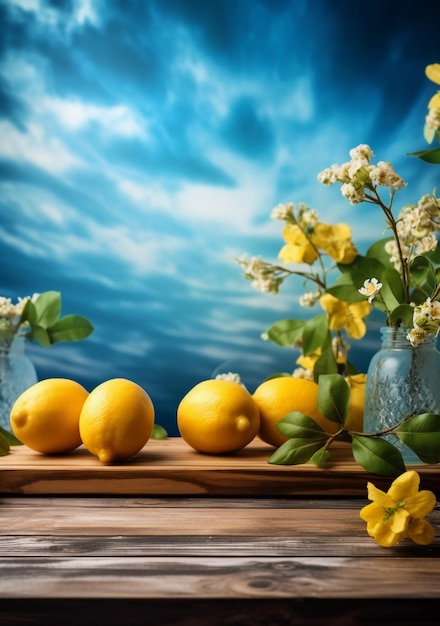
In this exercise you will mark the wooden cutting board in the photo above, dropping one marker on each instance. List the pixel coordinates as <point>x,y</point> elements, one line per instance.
<point>171,467</point>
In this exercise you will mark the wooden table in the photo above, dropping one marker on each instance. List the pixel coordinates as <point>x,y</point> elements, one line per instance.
<point>173,537</point>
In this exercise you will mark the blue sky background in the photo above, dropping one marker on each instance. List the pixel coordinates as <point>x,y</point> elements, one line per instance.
<point>143,145</point>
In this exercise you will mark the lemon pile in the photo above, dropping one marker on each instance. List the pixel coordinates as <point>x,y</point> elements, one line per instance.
<point>217,416</point>
<point>54,416</point>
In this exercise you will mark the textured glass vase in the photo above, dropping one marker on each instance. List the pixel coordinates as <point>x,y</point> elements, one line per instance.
<point>17,373</point>
<point>402,381</point>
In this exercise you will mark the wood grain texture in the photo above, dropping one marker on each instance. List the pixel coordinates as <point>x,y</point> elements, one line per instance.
<point>219,578</point>
<point>171,467</point>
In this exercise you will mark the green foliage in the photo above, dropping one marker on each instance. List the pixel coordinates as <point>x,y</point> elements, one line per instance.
<point>308,442</point>
<point>4,445</point>
<point>430,156</point>
<point>377,455</point>
<point>45,324</point>
<point>7,440</point>
<point>422,434</point>
<point>286,332</point>
<point>158,432</point>
<point>333,397</point>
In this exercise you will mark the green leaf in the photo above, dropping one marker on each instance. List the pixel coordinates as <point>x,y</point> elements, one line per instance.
<point>377,455</point>
<point>295,451</point>
<point>421,433</point>
<point>29,314</point>
<point>403,313</point>
<point>4,445</point>
<point>392,291</point>
<point>333,397</point>
<point>314,334</point>
<point>430,156</point>
<point>325,364</point>
<point>286,332</point>
<point>10,438</point>
<point>48,308</point>
<point>41,335</point>
<point>70,328</point>
<point>296,424</point>
<point>321,457</point>
<point>423,275</point>
<point>377,253</point>
<point>158,432</point>
<point>347,291</point>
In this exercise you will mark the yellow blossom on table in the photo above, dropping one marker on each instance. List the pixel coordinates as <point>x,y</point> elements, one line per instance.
<point>298,248</point>
<point>335,241</point>
<point>399,513</point>
<point>348,315</point>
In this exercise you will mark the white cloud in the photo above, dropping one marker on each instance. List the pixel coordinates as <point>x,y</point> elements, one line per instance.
<point>35,146</point>
<point>83,12</point>
<point>75,115</point>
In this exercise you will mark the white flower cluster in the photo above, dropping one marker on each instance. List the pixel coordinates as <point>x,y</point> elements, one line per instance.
<point>230,376</point>
<point>359,174</point>
<point>10,313</point>
<point>301,372</point>
<point>416,228</point>
<point>306,217</point>
<point>433,118</point>
<point>426,320</point>
<point>310,298</point>
<point>265,277</point>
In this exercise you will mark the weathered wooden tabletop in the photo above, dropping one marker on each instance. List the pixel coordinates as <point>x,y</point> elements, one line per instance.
<point>187,539</point>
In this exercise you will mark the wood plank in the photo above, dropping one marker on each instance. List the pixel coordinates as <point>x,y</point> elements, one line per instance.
<point>213,578</point>
<point>171,467</point>
<point>208,545</point>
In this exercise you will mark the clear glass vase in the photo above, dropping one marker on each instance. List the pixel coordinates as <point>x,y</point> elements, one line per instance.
<point>402,381</point>
<point>17,373</point>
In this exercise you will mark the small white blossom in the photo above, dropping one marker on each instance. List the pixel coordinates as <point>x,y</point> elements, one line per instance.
<point>362,152</point>
<point>385,175</point>
<point>417,336</point>
<point>433,118</point>
<point>371,288</point>
<point>427,244</point>
<point>355,194</point>
<point>283,211</point>
<point>309,298</point>
<point>231,376</point>
<point>267,284</point>
<point>301,372</point>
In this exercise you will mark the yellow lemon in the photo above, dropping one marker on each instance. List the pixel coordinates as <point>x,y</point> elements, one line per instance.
<point>278,396</point>
<point>116,420</point>
<point>45,417</point>
<point>357,384</point>
<point>218,416</point>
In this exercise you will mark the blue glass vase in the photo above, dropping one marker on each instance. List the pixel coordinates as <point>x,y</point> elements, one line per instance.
<point>402,381</point>
<point>17,373</point>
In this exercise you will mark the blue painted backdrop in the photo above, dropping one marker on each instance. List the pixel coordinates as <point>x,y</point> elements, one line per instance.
<point>144,143</point>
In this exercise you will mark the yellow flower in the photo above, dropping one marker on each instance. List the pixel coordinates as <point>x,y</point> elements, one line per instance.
<point>335,241</point>
<point>399,513</point>
<point>348,315</point>
<point>308,362</point>
<point>433,72</point>
<point>298,248</point>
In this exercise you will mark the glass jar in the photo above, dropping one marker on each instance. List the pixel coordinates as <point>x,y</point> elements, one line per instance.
<point>17,373</point>
<point>402,381</point>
